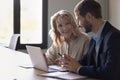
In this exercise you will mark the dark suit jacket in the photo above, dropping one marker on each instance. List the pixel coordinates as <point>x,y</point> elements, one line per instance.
<point>108,67</point>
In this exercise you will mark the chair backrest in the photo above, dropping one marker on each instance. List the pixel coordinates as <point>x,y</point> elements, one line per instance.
<point>13,41</point>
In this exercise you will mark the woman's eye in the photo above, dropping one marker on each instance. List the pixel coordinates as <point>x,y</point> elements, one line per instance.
<point>60,25</point>
<point>67,23</point>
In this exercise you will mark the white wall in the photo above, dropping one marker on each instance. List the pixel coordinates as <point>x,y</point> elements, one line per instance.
<point>114,13</point>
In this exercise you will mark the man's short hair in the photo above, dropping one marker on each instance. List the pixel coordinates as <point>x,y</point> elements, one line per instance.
<point>90,6</point>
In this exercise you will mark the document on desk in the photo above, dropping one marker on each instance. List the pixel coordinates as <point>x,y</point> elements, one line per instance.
<point>63,75</point>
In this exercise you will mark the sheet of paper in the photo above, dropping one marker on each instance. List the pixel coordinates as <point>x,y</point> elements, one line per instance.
<point>63,75</point>
<point>56,67</point>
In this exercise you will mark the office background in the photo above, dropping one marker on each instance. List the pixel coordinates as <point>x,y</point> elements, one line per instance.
<point>110,11</point>
<point>55,5</point>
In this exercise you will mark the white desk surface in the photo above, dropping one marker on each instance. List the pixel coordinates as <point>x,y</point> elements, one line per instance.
<point>10,62</point>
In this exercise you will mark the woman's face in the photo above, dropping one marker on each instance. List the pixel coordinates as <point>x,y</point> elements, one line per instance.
<point>64,27</point>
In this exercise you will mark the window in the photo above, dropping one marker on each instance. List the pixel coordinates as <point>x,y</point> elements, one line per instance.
<point>6,21</point>
<point>27,17</point>
<point>30,20</point>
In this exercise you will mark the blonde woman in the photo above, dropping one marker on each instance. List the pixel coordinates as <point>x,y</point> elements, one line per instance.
<point>67,38</point>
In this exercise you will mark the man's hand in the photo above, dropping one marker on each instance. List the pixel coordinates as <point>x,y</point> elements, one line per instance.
<point>70,63</point>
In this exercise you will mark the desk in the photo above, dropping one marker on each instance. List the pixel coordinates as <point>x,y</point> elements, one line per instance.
<point>10,69</point>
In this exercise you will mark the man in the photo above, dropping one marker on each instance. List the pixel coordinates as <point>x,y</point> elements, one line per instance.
<point>103,57</point>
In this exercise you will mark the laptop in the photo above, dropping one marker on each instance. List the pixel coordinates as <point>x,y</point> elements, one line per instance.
<point>38,60</point>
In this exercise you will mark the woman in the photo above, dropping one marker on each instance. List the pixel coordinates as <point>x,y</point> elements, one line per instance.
<point>67,39</point>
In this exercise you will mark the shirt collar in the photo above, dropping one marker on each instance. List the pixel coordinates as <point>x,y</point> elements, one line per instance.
<point>97,36</point>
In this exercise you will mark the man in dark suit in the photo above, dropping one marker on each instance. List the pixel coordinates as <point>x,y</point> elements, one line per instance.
<point>103,57</point>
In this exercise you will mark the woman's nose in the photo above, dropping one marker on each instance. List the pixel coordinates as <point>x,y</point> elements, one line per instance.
<point>64,28</point>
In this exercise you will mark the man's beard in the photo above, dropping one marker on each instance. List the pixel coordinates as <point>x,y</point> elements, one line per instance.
<point>87,26</point>
<point>88,29</point>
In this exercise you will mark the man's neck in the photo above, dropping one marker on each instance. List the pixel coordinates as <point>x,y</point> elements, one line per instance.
<point>97,25</point>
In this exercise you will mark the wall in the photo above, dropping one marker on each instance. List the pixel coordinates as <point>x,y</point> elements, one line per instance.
<point>114,13</point>
<point>105,8</point>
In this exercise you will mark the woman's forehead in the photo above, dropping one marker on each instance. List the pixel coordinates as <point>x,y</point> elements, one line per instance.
<point>63,19</point>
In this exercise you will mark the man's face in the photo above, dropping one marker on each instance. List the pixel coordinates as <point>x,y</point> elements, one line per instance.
<point>83,22</point>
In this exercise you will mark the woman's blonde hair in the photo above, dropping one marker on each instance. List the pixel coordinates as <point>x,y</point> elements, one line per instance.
<point>58,39</point>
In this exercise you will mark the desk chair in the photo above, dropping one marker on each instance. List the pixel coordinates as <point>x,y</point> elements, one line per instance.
<point>13,41</point>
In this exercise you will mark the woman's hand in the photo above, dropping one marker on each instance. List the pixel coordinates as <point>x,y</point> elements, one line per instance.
<point>59,61</point>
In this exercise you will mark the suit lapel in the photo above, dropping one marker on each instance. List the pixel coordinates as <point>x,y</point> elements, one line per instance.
<point>91,50</point>
<point>104,34</point>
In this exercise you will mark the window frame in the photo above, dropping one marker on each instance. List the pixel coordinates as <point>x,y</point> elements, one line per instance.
<point>44,22</point>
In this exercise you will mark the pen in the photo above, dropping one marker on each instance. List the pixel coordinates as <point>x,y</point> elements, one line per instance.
<point>59,54</point>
